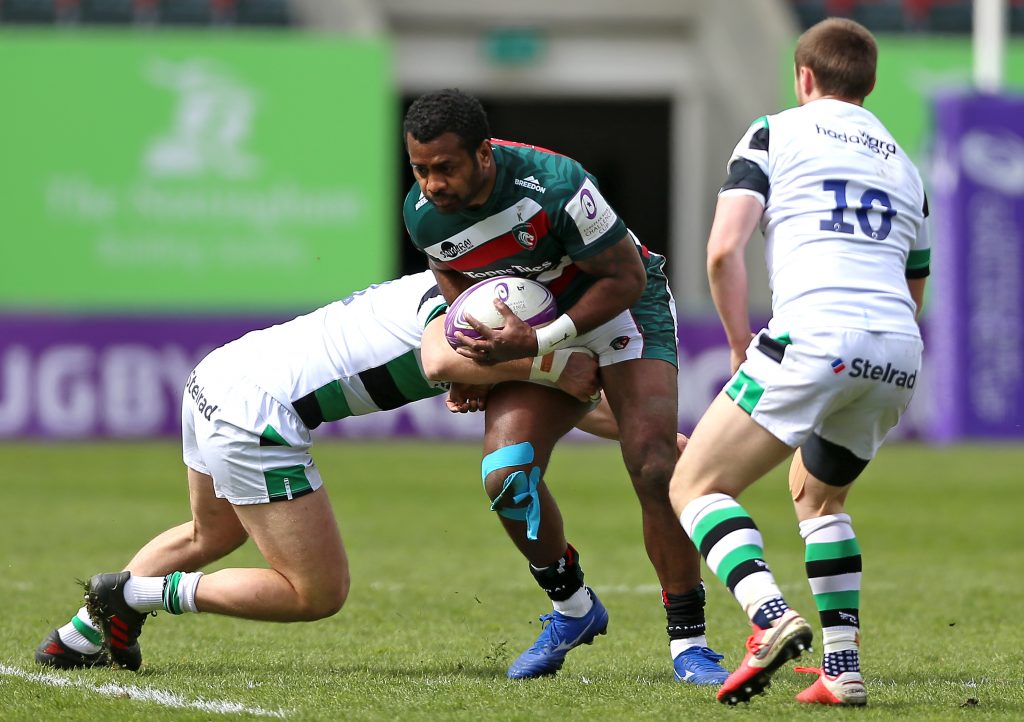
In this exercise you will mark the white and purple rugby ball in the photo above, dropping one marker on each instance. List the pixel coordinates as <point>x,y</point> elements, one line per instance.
<point>529,300</point>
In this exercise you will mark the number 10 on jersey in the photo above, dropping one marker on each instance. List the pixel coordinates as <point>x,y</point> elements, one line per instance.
<point>837,223</point>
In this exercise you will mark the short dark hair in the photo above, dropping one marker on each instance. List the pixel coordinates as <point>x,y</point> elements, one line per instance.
<point>447,111</point>
<point>843,56</point>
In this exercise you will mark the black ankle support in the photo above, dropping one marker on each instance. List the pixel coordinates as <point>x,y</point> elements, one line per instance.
<point>563,578</point>
<point>685,613</point>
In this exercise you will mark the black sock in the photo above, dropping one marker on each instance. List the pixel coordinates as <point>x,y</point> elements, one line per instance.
<point>563,578</point>
<point>685,613</point>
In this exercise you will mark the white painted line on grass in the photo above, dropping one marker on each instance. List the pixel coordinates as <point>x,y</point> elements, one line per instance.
<point>142,694</point>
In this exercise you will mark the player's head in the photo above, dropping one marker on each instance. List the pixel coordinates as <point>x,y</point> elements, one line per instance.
<point>447,138</point>
<point>841,55</point>
<point>448,111</point>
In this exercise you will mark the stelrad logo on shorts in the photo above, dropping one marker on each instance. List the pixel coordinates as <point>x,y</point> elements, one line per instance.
<point>202,403</point>
<point>888,374</point>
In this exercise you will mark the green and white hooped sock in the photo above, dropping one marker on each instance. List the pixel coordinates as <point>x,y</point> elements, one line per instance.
<point>833,563</point>
<point>80,634</point>
<point>732,546</point>
<point>179,594</point>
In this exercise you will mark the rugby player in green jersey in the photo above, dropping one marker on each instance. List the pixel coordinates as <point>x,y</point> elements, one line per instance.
<point>483,207</point>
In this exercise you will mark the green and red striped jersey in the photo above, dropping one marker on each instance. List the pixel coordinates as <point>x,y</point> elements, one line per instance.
<point>544,213</point>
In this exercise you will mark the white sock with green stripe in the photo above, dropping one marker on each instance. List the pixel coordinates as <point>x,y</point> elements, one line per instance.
<point>144,594</point>
<point>80,634</point>
<point>175,593</point>
<point>179,593</point>
<point>732,546</point>
<point>833,563</point>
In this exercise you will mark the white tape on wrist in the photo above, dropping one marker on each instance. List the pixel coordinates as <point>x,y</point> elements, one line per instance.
<point>556,334</point>
<point>550,366</point>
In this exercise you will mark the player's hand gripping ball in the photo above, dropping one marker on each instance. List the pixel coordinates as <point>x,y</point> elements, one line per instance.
<point>529,300</point>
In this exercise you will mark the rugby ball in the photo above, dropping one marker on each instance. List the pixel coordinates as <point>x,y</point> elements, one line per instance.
<point>529,300</point>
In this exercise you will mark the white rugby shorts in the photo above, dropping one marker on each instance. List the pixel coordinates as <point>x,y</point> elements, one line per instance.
<point>618,339</point>
<point>850,387</point>
<point>633,335</point>
<point>256,450</point>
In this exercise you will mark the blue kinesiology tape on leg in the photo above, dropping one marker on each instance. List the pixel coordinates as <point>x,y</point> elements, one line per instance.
<point>523,486</point>
<point>515,455</point>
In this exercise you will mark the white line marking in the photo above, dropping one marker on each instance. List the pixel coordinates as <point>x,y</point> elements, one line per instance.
<point>142,694</point>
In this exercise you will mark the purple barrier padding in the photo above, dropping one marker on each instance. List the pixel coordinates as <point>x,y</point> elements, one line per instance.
<point>122,377</point>
<point>975,322</point>
<point>102,376</point>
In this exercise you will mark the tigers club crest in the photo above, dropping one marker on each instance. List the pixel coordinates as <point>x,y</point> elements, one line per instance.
<point>525,235</point>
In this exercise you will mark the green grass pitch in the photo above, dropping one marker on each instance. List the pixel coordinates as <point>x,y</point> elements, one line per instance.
<point>441,602</point>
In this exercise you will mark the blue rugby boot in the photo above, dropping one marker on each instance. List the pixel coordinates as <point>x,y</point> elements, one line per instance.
<point>561,633</point>
<point>699,665</point>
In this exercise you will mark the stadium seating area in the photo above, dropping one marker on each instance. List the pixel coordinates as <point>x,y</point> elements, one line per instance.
<point>903,16</point>
<point>881,16</point>
<point>148,12</point>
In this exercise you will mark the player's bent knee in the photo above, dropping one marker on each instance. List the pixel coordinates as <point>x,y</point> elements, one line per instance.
<point>337,600</point>
<point>831,463</point>
<point>514,495</point>
<point>332,604</point>
<point>323,600</point>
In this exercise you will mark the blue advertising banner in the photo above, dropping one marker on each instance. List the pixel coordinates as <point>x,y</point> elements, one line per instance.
<point>975,326</point>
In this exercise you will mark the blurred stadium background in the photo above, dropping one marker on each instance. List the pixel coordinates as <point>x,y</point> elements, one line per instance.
<point>177,172</point>
<point>174,173</point>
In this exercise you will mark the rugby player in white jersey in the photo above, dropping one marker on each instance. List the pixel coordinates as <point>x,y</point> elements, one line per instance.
<point>843,214</point>
<point>247,412</point>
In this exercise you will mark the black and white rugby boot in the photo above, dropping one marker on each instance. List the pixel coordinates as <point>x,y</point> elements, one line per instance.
<point>52,652</point>
<point>121,625</point>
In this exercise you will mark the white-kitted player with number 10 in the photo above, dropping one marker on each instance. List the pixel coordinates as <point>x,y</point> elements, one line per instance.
<point>843,213</point>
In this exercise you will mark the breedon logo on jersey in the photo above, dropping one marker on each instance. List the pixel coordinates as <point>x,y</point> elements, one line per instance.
<point>532,183</point>
<point>862,368</point>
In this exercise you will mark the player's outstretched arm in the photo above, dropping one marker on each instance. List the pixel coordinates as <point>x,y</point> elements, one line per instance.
<point>573,372</point>
<point>442,363</point>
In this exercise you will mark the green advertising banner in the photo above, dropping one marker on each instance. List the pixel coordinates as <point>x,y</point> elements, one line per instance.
<point>913,70</point>
<point>180,172</point>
